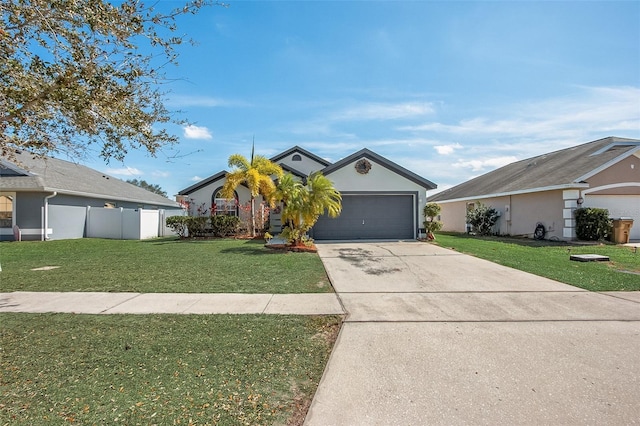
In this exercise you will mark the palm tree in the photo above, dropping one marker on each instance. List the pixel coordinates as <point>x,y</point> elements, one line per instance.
<point>303,204</point>
<point>257,175</point>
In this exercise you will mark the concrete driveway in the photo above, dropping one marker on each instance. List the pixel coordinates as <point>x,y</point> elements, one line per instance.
<point>437,337</point>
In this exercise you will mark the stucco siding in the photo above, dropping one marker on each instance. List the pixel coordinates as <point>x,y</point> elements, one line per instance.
<point>453,216</point>
<point>29,210</point>
<point>627,170</point>
<point>379,178</point>
<point>28,216</point>
<point>519,214</point>
<point>539,207</point>
<point>305,165</point>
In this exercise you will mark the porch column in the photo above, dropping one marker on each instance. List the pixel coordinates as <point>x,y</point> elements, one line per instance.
<point>570,198</point>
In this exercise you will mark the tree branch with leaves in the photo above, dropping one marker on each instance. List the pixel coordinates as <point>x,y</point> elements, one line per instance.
<point>86,72</point>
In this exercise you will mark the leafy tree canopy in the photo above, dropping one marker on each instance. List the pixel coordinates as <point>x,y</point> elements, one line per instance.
<point>82,72</point>
<point>148,186</point>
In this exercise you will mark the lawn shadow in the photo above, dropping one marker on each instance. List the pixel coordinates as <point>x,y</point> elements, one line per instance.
<point>177,240</point>
<point>250,248</point>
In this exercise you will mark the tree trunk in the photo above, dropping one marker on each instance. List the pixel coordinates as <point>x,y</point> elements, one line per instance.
<point>253,217</point>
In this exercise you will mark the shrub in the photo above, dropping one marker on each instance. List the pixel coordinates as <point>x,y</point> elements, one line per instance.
<point>197,225</point>
<point>482,218</point>
<point>220,226</point>
<point>592,224</point>
<point>178,224</point>
<point>295,236</point>
<point>224,225</point>
<point>431,225</point>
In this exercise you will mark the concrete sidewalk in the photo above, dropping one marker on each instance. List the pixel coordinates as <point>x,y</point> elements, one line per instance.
<point>436,337</point>
<point>180,303</point>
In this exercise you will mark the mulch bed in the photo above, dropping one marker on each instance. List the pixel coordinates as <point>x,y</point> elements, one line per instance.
<point>297,249</point>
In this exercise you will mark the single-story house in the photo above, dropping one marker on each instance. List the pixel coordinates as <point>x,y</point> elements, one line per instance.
<point>380,199</point>
<point>547,189</point>
<point>53,199</point>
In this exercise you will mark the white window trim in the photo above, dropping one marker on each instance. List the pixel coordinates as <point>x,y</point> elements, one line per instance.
<point>13,212</point>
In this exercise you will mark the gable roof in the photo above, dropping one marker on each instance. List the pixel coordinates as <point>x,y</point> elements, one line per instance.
<point>329,168</point>
<point>559,169</point>
<point>203,183</point>
<point>383,162</point>
<point>54,175</point>
<point>301,151</point>
<point>293,171</point>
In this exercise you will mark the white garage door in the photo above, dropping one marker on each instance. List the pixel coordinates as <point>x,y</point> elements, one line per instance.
<point>618,206</point>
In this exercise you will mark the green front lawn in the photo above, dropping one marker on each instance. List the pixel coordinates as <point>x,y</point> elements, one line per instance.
<point>166,265</point>
<point>551,259</point>
<point>160,369</point>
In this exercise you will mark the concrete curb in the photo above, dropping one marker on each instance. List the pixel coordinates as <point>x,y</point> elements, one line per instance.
<point>171,303</point>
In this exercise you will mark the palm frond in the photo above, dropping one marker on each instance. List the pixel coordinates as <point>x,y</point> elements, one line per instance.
<point>266,166</point>
<point>233,180</point>
<point>239,161</point>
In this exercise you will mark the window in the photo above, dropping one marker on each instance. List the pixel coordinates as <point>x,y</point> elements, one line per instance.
<point>296,157</point>
<point>6,211</point>
<point>227,206</point>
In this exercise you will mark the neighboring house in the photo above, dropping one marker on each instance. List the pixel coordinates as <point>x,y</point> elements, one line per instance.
<point>547,189</point>
<point>380,199</point>
<point>48,198</point>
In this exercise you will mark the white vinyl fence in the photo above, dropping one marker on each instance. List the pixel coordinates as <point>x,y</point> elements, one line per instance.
<point>125,224</point>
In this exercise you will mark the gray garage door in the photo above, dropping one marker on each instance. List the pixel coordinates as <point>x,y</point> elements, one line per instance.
<point>369,217</point>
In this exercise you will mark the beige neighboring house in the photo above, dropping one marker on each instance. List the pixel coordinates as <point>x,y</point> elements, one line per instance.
<point>380,199</point>
<point>547,189</point>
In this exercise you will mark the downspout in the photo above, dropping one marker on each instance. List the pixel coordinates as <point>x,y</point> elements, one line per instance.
<point>45,216</point>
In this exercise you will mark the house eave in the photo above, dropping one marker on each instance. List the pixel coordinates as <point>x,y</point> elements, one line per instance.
<point>203,183</point>
<point>519,192</point>
<point>302,151</point>
<point>108,197</point>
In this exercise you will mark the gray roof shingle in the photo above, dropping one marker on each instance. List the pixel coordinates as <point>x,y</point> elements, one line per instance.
<point>558,168</point>
<point>52,174</point>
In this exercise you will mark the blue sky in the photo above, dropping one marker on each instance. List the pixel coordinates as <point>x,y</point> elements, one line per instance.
<point>449,90</point>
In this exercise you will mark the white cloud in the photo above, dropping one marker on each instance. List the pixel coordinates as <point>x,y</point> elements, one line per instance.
<point>195,179</point>
<point>384,111</point>
<point>197,132</point>
<point>447,149</point>
<point>160,174</point>
<point>599,111</point>
<point>125,171</point>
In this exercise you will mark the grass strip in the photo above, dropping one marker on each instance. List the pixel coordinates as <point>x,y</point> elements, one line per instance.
<point>160,369</point>
<point>165,265</point>
<point>551,260</point>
